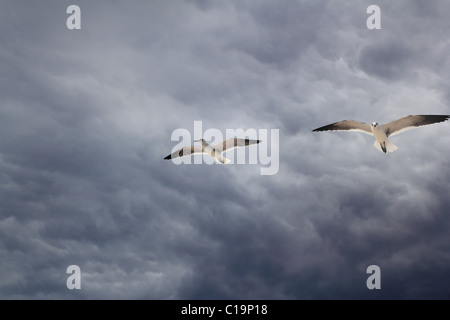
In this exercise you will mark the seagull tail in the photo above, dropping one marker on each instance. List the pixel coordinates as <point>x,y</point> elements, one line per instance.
<point>222,160</point>
<point>385,147</point>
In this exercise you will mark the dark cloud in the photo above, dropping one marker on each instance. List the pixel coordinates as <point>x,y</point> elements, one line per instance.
<point>87,117</point>
<point>388,61</point>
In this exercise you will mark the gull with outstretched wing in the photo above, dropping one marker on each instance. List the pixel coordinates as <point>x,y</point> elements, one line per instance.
<point>383,131</point>
<point>214,151</point>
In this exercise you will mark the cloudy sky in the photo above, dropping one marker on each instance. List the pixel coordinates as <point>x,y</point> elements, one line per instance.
<point>86,118</point>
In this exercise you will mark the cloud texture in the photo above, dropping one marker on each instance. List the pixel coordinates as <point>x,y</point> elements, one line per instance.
<point>87,115</point>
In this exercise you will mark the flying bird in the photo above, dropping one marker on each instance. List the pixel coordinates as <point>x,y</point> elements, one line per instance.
<point>214,151</point>
<point>384,131</point>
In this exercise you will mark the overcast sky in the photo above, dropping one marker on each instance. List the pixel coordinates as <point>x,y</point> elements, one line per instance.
<point>86,118</point>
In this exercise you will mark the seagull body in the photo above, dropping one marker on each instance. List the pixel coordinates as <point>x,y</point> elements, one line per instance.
<point>384,131</point>
<point>214,151</point>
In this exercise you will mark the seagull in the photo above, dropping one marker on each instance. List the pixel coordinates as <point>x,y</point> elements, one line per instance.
<point>214,151</point>
<point>384,131</point>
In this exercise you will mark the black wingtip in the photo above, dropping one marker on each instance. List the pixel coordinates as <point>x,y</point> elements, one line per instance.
<point>328,127</point>
<point>168,157</point>
<point>445,117</point>
<point>432,118</point>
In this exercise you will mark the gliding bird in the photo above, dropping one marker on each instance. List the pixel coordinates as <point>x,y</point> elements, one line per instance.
<point>214,151</point>
<point>384,131</point>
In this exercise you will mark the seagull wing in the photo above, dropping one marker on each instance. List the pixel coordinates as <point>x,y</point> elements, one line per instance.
<point>347,125</point>
<point>185,151</point>
<point>409,122</point>
<point>234,143</point>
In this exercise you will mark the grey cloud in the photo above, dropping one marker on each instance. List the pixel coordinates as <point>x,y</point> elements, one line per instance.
<point>388,61</point>
<point>87,117</point>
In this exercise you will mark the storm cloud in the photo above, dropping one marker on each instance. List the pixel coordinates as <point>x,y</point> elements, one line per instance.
<point>86,119</point>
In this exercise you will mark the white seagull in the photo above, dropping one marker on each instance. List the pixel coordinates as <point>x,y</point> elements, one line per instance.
<point>214,151</point>
<point>384,131</point>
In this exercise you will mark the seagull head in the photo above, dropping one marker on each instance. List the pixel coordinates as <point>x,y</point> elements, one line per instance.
<point>374,124</point>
